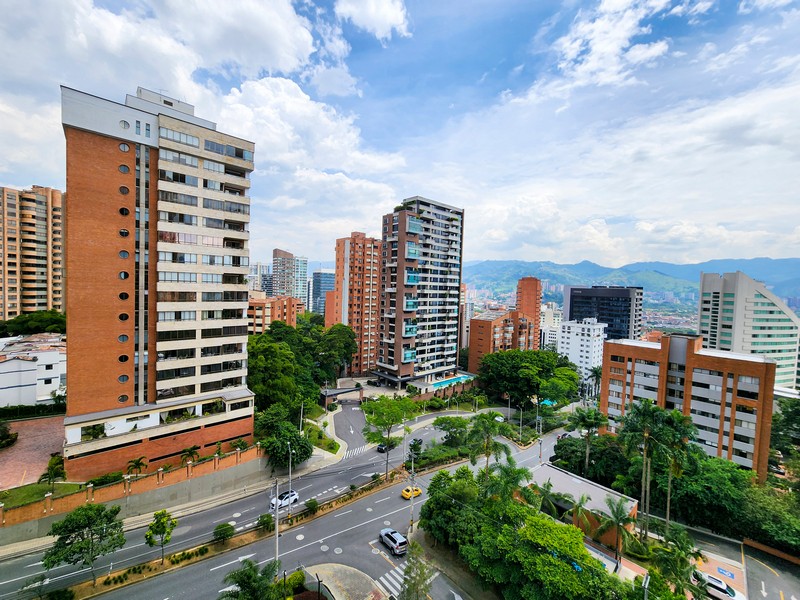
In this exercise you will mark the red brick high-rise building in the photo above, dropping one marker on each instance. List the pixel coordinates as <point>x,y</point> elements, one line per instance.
<point>729,396</point>
<point>497,330</point>
<point>156,294</point>
<point>529,302</point>
<point>354,299</point>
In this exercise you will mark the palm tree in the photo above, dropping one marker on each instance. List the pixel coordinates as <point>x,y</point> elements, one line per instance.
<point>508,480</point>
<point>676,561</point>
<point>548,497</point>
<point>580,514</point>
<point>596,375</point>
<point>678,431</point>
<point>251,584</point>
<point>589,420</point>
<point>483,430</point>
<point>137,464</point>
<point>641,430</point>
<point>617,518</point>
<point>54,472</point>
<point>190,454</point>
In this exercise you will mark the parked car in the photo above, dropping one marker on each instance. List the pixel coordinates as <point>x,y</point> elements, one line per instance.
<point>393,540</point>
<point>382,448</point>
<point>499,418</point>
<point>561,436</point>
<point>777,469</point>
<point>285,499</point>
<point>410,491</point>
<point>374,382</point>
<point>716,588</point>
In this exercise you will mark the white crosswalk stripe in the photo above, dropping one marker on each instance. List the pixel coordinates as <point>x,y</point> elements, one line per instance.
<point>391,583</point>
<point>354,452</point>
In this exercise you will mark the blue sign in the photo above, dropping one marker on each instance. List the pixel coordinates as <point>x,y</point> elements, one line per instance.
<point>725,572</point>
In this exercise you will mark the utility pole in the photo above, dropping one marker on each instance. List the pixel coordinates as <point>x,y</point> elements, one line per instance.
<point>289,444</point>
<point>413,486</point>
<point>277,521</point>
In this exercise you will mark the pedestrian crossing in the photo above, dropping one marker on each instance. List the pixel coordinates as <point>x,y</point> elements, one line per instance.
<point>391,583</point>
<point>355,452</point>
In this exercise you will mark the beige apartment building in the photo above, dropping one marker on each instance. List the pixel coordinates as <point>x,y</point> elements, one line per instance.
<point>31,251</point>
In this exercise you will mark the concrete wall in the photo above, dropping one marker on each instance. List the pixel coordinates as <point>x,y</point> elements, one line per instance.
<point>141,495</point>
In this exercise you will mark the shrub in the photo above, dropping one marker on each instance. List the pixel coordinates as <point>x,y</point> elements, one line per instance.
<point>266,522</point>
<point>332,406</point>
<point>312,505</point>
<point>61,595</point>
<point>239,444</point>
<point>106,479</point>
<point>295,581</point>
<point>223,532</point>
<point>436,404</point>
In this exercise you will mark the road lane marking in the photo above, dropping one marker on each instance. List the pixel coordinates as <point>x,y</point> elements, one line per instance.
<point>336,516</point>
<point>381,500</point>
<point>774,572</point>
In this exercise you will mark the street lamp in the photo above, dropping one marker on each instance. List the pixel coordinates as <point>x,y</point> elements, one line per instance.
<point>289,513</point>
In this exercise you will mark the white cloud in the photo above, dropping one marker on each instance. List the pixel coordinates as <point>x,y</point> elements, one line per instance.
<point>333,81</point>
<point>379,17</point>
<point>748,6</point>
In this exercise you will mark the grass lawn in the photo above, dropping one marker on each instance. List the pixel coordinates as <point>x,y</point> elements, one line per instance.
<point>35,491</point>
<point>314,413</point>
<point>319,439</point>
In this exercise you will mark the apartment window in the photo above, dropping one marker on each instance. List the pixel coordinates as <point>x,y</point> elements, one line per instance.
<point>177,276</point>
<point>124,169</point>
<point>122,338</point>
<point>123,189</point>
<point>177,136</point>
<point>138,127</point>
<point>124,147</point>
<point>124,124</point>
<point>175,177</point>
<point>147,130</point>
<point>178,157</point>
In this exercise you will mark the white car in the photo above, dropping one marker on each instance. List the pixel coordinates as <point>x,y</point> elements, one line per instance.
<point>717,588</point>
<point>285,499</point>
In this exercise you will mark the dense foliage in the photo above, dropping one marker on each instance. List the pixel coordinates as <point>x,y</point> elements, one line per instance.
<point>511,546</point>
<point>522,374</point>
<point>43,321</point>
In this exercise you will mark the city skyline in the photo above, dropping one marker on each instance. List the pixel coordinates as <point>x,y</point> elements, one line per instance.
<point>612,131</point>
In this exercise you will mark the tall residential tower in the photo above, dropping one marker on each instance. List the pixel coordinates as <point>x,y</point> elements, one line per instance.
<point>618,307</point>
<point>420,285</point>
<point>739,314</point>
<point>31,251</point>
<point>156,295</point>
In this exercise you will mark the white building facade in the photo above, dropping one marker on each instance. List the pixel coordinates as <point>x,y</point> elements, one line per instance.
<point>582,342</point>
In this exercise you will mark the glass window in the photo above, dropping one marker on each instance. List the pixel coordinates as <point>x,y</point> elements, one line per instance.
<point>123,398</point>
<point>123,254</point>
<point>123,317</point>
<point>122,338</point>
<point>124,124</point>
<point>124,169</point>
<point>124,211</point>
<point>124,147</point>
<point>124,233</point>
<point>124,190</point>
<point>123,296</point>
<point>122,378</point>
<point>123,358</point>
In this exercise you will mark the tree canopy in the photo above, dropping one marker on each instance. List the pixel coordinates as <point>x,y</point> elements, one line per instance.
<point>43,321</point>
<point>87,533</point>
<point>524,373</point>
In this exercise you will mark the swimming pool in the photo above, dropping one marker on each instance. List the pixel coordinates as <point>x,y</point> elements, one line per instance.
<point>445,382</point>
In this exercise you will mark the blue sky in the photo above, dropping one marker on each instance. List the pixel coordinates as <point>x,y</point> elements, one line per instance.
<point>613,131</point>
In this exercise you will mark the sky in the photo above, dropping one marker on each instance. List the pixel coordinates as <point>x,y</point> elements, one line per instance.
<point>613,131</point>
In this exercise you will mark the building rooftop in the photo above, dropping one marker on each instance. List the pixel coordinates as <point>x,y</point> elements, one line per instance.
<point>490,315</point>
<point>565,482</point>
<point>37,342</point>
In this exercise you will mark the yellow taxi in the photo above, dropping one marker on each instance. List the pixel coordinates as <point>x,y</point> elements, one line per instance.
<point>410,491</point>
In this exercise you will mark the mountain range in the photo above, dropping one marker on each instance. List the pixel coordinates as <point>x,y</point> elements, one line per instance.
<point>499,277</point>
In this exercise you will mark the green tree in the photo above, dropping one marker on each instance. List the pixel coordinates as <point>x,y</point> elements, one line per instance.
<point>786,425</point>
<point>272,371</point>
<point>549,497</point>
<point>587,422</point>
<point>641,430</point>
<point>483,430</point>
<point>463,359</point>
<point>266,522</point>
<point>417,575</point>
<point>278,446</point>
<point>337,346</point>
<point>159,532</point>
<point>223,532</point>
<point>596,375</point>
<point>678,431</point>
<point>385,414</point>
<point>248,583</point>
<point>676,561</point>
<point>506,478</point>
<point>87,533</point>
<point>137,465</point>
<point>455,430</point>
<point>581,514</point>
<point>43,321</point>
<point>190,454</point>
<point>617,519</point>
<point>54,472</point>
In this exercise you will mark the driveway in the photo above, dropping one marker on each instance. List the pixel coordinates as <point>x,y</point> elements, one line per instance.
<point>26,460</point>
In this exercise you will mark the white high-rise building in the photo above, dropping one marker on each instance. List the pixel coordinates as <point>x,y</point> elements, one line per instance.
<point>739,314</point>
<point>582,342</point>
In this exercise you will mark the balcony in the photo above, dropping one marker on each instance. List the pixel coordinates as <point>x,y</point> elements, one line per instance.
<point>409,355</point>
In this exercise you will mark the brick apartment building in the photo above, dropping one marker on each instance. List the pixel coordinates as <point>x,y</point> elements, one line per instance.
<point>354,299</point>
<point>261,311</point>
<point>498,330</point>
<point>729,396</point>
<point>157,261</point>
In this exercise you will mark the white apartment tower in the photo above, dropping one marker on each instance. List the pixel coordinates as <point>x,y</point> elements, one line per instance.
<point>582,342</point>
<point>739,314</point>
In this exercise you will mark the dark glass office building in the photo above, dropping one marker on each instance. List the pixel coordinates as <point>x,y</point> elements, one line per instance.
<point>619,307</point>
